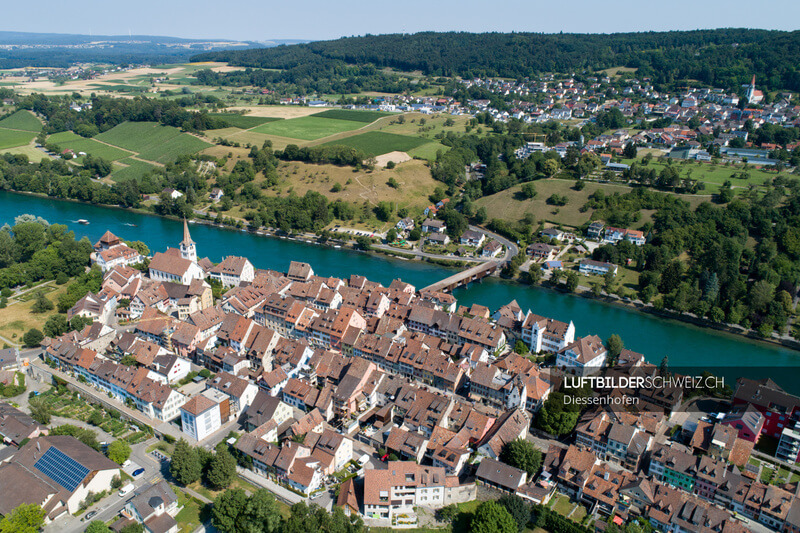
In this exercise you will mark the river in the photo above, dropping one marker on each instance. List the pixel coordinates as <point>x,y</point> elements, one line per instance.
<point>684,344</point>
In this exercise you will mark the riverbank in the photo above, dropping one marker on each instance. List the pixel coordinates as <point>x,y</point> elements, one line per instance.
<point>684,343</point>
<point>733,330</point>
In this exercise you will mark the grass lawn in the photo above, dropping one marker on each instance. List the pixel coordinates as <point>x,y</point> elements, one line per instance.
<point>76,143</point>
<point>307,128</point>
<point>22,120</point>
<point>14,138</point>
<point>238,483</point>
<point>133,169</point>
<point>17,318</point>
<point>428,151</point>
<point>193,514</point>
<point>375,143</point>
<point>508,205</point>
<point>242,121</point>
<point>152,141</point>
<point>31,152</point>
<point>354,115</point>
<point>562,505</point>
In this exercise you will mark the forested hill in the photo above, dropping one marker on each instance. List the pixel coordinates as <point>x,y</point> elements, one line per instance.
<point>723,57</point>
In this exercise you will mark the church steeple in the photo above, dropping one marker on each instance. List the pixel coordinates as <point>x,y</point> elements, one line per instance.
<point>188,250</point>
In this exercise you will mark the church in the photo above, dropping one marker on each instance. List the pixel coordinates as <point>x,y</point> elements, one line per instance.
<point>178,265</point>
<point>753,96</point>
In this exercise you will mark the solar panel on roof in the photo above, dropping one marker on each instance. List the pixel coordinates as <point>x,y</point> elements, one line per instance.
<point>62,469</point>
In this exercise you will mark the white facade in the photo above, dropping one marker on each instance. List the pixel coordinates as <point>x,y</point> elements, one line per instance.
<point>204,424</point>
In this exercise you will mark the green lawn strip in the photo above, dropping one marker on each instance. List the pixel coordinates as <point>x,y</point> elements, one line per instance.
<point>375,143</point>
<point>22,120</point>
<point>354,115</point>
<point>13,138</point>
<point>428,150</point>
<point>307,128</point>
<point>243,121</point>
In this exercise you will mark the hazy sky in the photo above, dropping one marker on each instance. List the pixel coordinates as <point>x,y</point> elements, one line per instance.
<point>327,19</point>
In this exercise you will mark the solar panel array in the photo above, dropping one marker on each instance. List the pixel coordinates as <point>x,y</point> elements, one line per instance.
<point>61,468</point>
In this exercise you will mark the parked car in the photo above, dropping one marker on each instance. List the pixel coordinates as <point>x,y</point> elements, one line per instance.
<point>90,515</point>
<point>138,472</point>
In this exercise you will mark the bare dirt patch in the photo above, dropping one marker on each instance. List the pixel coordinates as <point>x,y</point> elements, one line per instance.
<point>396,157</point>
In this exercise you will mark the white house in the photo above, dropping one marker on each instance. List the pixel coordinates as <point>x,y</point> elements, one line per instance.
<point>232,271</point>
<point>585,356</point>
<point>433,226</point>
<point>120,255</point>
<point>402,486</point>
<point>599,268</point>
<point>545,334</point>
<point>472,238</point>
<point>200,417</point>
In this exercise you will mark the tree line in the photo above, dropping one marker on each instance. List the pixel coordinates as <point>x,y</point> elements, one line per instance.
<point>723,57</point>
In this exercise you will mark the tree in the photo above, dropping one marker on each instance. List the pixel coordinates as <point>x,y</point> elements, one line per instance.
<point>42,304</point>
<point>520,347</point>
<point>572,281</point>
<point>491,517</point>
<point>528,190</point>
<point>185,465</point>
<point>119,451</point>
<point>96,526</point>
<point>522,454</point>
<point>609,282</point>
<point>32,338</point>
<point>614,345</point>
<point>221,470</point>
<point>629,152</point>
<point>56,325</point>
<point>27,518</point>
<point>40,410</point>
<point>391,235</point>
<point>234,512</point>
<point>128,360</point>
<point>519,510</point>
<point>663,367</point>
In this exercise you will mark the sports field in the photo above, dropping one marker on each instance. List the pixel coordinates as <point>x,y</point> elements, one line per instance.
<point>22,120</point>
<point>375,143</point>
<point>350,114</point>
<point>308,128</point>
<point>153,141</point>
<point>76,143</point>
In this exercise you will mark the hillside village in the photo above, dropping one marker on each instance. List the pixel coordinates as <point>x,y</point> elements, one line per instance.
<point>413,397</point>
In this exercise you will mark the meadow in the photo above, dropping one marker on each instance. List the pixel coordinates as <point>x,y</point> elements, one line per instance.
<point>307,128</point>
<point>22,120</point>
<point>509,205</point>
<point>375,143</point>
<point>152,141</point>
<point>354,115</point>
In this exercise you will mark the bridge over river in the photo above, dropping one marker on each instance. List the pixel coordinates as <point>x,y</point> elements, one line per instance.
<point>465,277</point>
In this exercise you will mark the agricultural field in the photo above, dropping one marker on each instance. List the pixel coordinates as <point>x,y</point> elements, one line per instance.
<point>308,128</point>
<point>152,141</point>
<point>350,114</point>
<point>375,143</point>
<point>31,152</point>
<point>22,120</point>
<point>243,122</point>
<point>14,138</point>
<point>509,205</point>
<point>76,143</point>
<point>133,169</point>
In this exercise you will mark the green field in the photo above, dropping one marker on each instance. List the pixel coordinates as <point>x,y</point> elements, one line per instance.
<point>153,141</point>
<point>12,138</point>
<point>76,143</point>
<point>243,122</point>
<point>428,151</point>
<point>135,169</point>
<point>375,143</point>
<point>308,128</point>
<point>356,116</point>
<point>22,120</point>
